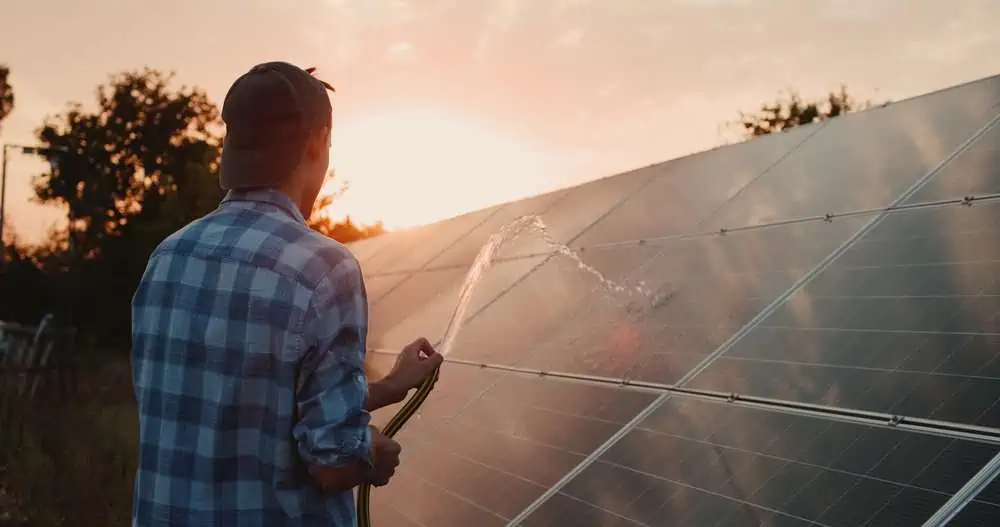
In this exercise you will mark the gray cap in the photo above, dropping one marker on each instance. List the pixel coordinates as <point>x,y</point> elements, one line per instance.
<point>269,113</point>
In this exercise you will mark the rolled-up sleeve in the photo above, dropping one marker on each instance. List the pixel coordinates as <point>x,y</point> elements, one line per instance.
<point>332,427</point>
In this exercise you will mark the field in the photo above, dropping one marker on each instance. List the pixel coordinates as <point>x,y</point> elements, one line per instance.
<point>72,461</point>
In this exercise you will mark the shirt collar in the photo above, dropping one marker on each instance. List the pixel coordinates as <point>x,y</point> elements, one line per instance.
<point>266,195</point>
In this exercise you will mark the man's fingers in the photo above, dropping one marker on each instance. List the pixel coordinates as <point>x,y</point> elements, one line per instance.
<point>422,345</point>
<point>435,360</point>
<point>381,480</point>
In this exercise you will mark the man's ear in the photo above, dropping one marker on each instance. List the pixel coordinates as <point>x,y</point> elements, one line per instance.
<point>317,143</point>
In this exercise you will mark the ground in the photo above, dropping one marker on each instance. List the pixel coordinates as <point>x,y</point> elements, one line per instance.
<point>75,461</point>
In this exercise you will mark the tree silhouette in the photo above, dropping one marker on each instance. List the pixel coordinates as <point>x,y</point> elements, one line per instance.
<point>6,93</point>
<point>141,166</point>
<point>345,231</point>
<point>793,110</point>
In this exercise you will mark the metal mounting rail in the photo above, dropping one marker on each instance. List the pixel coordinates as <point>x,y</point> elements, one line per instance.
<point>827,218</point>
<point>940,428</point>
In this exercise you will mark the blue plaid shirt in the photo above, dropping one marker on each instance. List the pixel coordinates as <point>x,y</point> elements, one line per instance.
<point>248,342</point>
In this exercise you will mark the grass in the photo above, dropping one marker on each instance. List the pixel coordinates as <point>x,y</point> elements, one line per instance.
<point>75,463</point>
<point>75,460</point>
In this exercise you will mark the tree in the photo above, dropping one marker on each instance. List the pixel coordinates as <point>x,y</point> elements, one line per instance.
<point>793,111</point>
<point>345,231</point>
<point>140,166</point>
<point>144,164</point>
<point>6,93</point>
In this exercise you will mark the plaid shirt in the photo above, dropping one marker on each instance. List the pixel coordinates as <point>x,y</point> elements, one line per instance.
<point>248,341</point>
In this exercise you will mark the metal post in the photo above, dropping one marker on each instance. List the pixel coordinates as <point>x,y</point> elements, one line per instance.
<point>3,182</point>
<point>3,204</point>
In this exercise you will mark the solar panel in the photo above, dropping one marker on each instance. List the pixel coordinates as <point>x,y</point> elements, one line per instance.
<point>806,332</point>
<point>464,251</point>
<point>702,291</point>
<point>866,159</point>
<point>419,245</point>
<point>974,173</point>
<point>488,443</point>
<point>423,305</point>
<point>906,322</point>
<point>689,189</point>
<point>380,285</point>
<point>364,249</point>
<point>581,207</point>
<point>707,463</point>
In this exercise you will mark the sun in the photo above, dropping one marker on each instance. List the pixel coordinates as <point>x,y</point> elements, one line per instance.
<point>409,166</point>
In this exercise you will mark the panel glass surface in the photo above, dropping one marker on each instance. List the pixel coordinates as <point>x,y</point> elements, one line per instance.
<point>977,514</point>
<point>581,208</point>
<point>688,190</point>
<point>864,160</point>
<point>515,325</point>
<point>696,293</point>
<point>465,250</point>
<point>379,285</point>
<point>409,296</point>
<point>486,444</point>
<point>364,249</point>
<point>907,321</point>
<point>696,462</point>
<point>976,172</point>
<point>415,247</point>
<point>424,305</point>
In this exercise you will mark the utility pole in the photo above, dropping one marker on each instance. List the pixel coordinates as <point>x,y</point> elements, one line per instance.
<point>29,150</point>
<point>3,203</point>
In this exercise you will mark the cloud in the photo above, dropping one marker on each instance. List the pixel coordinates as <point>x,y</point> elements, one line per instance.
<point>400,51</point>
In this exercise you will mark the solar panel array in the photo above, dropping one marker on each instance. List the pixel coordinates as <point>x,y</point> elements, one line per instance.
<point>817,343</point>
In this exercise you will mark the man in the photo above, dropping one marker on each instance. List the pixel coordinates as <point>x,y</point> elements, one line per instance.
<point>248,338</point>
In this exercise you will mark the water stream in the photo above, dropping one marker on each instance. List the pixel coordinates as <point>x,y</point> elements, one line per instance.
<point>530,224</point>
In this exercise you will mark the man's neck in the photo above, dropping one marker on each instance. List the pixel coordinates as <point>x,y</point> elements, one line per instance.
<point>297,194</point>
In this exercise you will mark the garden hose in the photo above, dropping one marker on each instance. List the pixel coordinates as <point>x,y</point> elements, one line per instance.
<point>395,424</point>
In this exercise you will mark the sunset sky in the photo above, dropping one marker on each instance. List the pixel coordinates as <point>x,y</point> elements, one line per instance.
<point>445,106</point>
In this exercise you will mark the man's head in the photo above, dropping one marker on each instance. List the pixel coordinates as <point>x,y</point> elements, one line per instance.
<point>278,119</point>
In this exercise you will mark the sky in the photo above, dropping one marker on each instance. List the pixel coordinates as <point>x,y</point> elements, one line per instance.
<point>447,106</point>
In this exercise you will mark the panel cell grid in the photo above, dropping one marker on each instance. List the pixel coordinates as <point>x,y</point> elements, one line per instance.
<point>489,443</point>
<point>906,322</point>
<point>705,463</point>
<point>688,190</point>
<point>694,294</point>
<point>865,160</point>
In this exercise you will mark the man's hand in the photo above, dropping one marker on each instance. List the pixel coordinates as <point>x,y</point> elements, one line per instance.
<point>386,459</point>
<point>413,365</point>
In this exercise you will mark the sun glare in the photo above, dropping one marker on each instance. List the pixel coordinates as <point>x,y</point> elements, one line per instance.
<point>410,167</point>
